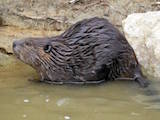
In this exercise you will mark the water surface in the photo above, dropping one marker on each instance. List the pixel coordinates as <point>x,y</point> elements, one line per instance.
<point>21,99</point>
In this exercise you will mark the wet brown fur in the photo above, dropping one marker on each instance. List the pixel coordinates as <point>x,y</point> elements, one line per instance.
<point>90,51</point>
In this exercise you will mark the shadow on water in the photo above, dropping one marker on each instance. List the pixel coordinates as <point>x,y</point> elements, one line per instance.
<point>117,100</point>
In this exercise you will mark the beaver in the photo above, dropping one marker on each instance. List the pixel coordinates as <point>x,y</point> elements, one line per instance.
<point>90,51</point>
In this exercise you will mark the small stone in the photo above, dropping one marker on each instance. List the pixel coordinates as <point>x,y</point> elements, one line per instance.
<point>67,117</point>
<point>47,100</point>
<point>26,101</point>
<point>24,115</point>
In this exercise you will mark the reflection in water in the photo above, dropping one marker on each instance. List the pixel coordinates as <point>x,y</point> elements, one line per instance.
<point>22,99</point>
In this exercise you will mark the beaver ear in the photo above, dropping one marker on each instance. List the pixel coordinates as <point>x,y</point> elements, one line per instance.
<point>47,48</point>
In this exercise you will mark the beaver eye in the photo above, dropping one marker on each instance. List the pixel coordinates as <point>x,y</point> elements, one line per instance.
<point>47,48</point>
<point>28,43</point>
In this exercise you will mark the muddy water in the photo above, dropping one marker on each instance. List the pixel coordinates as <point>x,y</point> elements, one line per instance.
<point>21,99</point>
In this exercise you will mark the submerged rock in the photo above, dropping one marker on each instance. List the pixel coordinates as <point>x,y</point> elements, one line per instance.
<point>142,31</point>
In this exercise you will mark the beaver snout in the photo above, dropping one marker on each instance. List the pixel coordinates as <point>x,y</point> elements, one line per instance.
<point>16,46</point>
<point>17,43</point>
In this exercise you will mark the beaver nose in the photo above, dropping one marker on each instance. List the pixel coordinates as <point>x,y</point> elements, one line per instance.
<point>14,44</point>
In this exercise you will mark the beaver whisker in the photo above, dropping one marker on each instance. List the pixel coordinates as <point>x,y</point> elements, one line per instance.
<point>43,63</point>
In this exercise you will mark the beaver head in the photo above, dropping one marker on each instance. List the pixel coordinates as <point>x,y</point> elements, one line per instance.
<point>46,55</point>
<point>32,50</point>
<point>35,52</point>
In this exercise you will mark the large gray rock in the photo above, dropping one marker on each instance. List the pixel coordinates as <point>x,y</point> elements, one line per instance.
<point>142,30</point>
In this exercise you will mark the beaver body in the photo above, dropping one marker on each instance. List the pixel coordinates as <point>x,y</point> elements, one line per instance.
<point>90,51</point>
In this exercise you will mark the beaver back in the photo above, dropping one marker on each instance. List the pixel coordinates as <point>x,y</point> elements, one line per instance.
<point>99,51</point>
